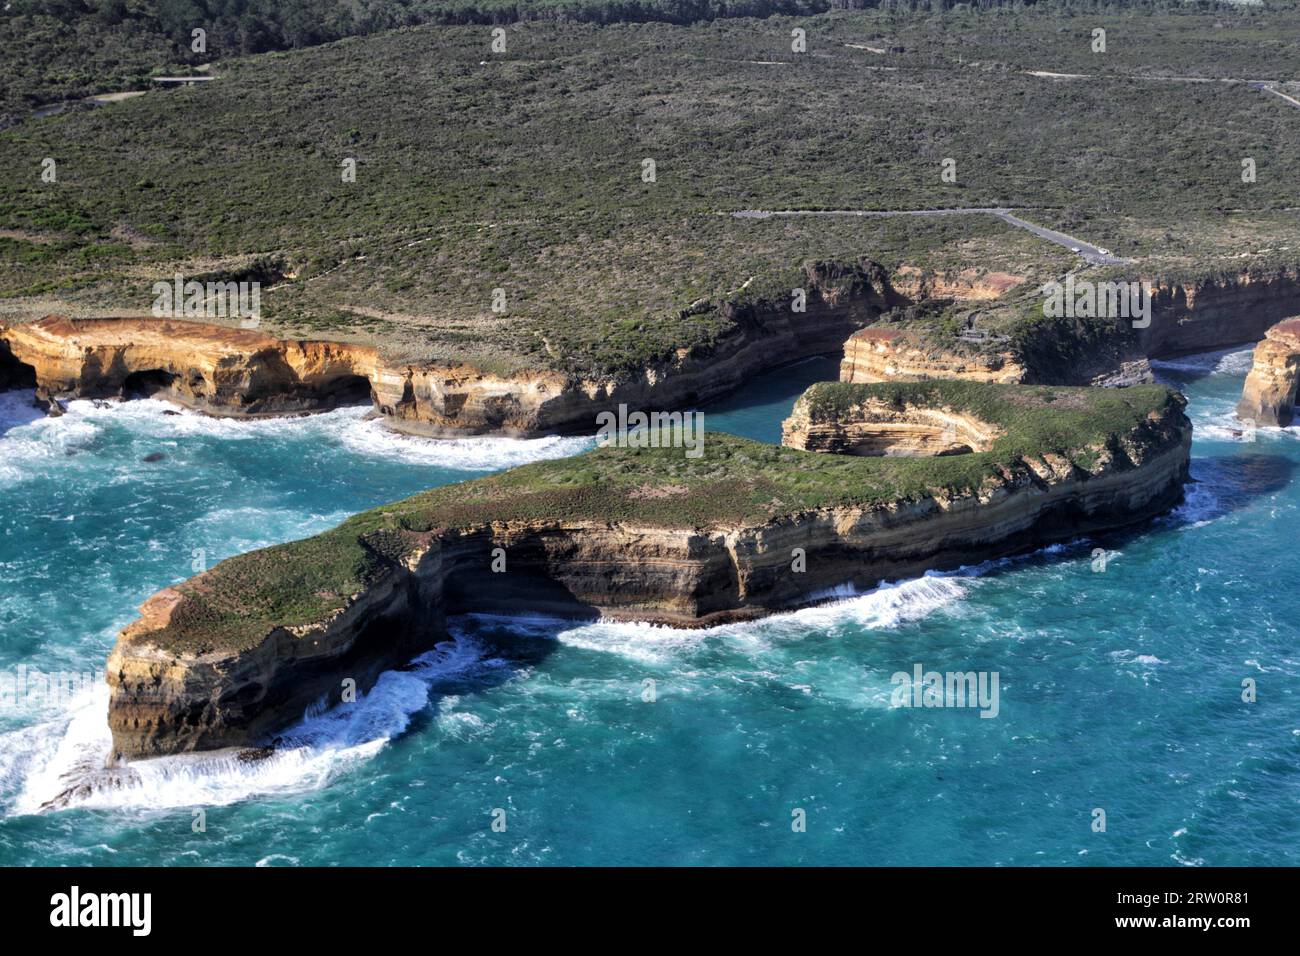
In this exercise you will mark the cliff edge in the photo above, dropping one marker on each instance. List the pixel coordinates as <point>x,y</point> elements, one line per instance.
<point>234,656</point>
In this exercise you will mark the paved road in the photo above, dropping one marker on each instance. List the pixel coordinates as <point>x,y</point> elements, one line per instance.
<point>1094,254</point>
<point>1264,86</point>
<point>1270,88</point>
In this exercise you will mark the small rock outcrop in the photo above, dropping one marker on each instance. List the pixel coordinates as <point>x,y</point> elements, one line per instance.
<point>1270,392</point>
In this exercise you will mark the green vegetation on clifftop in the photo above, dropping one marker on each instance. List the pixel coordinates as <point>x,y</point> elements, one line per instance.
<point>736,482</point>
<point>523,171</point>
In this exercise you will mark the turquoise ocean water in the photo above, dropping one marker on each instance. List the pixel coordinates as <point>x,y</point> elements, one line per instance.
<point>1119,690</point>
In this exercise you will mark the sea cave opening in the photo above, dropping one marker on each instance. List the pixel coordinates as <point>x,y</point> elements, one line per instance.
<point>348,390</point>
<point>14,373</point>
<point>147,382</point>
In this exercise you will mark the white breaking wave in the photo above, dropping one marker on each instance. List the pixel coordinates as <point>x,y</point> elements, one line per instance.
<point>1232,361</point>
<point>372,438</point>
<point>886,606</point>
<point>1216,419</point>
<point>60,764</point>
<point>34,442</point>
<point>17,408</point>
<point>353,427</point>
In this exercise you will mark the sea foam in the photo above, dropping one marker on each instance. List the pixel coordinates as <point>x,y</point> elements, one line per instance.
<point>60,764</point>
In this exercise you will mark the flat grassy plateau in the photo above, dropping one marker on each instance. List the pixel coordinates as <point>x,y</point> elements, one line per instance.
<point>736,482</point>
<point>523,171</point>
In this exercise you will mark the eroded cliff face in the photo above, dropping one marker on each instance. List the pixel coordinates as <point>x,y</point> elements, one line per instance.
<point>879,428</point>
<point>234,371</point>
<point>227,371</point>
<point>1270,391</point>
<point>1216,313</point>
<point>215,369</point>
<point>1185,318</point>
<point>441,400</point>
<point>168,699</point>
<point>968,285</point>
<point>883,355</point>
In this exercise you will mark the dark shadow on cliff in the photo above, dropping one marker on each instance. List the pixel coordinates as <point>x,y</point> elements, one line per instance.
<point>17,399</point>
<point>1235,481</point>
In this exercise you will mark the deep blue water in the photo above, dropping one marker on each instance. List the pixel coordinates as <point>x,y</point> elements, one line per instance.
<point>1119,690</point>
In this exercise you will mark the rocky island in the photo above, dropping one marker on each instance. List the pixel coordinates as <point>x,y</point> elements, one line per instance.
<point>235,655</point>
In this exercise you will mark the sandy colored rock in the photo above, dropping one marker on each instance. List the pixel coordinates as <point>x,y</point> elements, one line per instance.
<point>1269,395</point>
<point>884,429</point>
<point>883,355</point>
<point>232,371</point>
<point>175,691</point>
<point>216,369</point>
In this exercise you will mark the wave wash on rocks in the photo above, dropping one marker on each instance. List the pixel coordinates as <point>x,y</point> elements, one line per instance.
<point>234,655</point>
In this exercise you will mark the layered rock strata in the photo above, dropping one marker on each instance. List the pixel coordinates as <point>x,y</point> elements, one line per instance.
<point>1270,391</point>
<point>878,427</point>
<point>229,371</point>
<point>235,656</point>
<point>1186,317</point>
<point>1214,313</point>
<point>219,370</point>
<point>885,354</point>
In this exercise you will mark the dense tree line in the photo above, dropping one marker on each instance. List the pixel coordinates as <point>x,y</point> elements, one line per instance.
<point>53,50</point>
<point>258,26</point>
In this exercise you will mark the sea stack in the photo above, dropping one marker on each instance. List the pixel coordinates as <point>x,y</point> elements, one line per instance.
<point>1269,395</point>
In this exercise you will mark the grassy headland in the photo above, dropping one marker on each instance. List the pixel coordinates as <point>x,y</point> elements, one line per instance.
<point>735,482</point>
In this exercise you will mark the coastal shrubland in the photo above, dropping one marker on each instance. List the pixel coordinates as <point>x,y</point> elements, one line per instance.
<point>523,172</point>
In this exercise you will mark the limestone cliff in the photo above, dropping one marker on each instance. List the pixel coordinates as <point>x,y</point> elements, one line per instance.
<point>1270,391</point>
<point>885,354</point>
<point>234,656</point>
<point>229,371</point>
<point>1214,313</point>
<point>212,368</point>
<point>235,371</point>
<point>762,334</point>
<point>1186,316</point>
